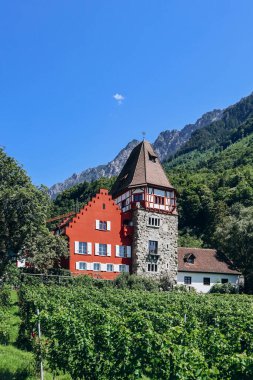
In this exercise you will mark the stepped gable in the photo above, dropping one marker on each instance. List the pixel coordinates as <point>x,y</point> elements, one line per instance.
<point>141,169</point>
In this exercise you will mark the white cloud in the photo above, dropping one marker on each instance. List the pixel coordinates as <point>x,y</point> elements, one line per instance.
<point>119,98</point>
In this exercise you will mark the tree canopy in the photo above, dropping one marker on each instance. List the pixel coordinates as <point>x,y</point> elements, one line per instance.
<point>23,212</point>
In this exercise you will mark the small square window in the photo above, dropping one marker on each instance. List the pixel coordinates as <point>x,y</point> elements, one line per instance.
<point>109,268</point>
<point>206,281</point>
<point>102,225</point>
<point>96,266</point>
<point>122,268</point>
<point>102,249</point>
<point>224,280</point>
<point>82,247</point>
<point>187,280</point>
<point>122,251</point>
<point>82,266</point>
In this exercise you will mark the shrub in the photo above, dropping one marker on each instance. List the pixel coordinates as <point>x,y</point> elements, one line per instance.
<point>227,288</point>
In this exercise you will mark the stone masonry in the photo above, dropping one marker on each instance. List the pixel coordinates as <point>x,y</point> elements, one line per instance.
<point>166,236</point>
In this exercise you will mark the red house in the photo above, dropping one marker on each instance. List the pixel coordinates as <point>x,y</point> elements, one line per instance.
<point>99,244</point>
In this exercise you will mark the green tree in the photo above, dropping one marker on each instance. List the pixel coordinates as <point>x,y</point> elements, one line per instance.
<point>23,212</point>
<point>234,238</point>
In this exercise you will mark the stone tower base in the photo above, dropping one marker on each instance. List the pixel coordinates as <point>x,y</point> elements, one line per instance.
<point>166,235</point>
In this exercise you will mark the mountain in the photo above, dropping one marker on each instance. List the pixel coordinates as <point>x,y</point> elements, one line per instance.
<point>166,145</point>
<point>169,142</point>
<point>89,175</point>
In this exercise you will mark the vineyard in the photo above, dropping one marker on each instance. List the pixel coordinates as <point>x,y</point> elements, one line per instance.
<point>105,333</point>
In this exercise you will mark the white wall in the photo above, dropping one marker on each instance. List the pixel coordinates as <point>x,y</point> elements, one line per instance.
<point>197,279</point>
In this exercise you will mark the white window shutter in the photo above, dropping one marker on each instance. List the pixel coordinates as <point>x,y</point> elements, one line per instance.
<point>97,224</point>
<point>96,248</point>
<point>89,266</point>
<point>77,265</point>
<point>89,248</point>
<point>108,226</point>
<point>129,254</point>
<point>116,268</point>
<point>76,246</point>
<point>117,250</point>
<point>127,268</point>
<point>103,267</point>
<point>109,250</point>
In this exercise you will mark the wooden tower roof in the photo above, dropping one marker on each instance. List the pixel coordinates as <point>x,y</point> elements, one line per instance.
<point>142,168</point>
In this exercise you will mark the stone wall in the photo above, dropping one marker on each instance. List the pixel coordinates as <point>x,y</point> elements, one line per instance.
<point>166,236</point>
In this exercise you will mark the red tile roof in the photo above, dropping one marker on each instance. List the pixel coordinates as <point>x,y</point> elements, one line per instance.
<point>206,261</point>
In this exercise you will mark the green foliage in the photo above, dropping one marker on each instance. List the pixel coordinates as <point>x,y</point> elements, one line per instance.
<point>235,236</point>
<point>114,334</point>
<point>23,213</point>
<point>227,288</point>
<point>127,281</point>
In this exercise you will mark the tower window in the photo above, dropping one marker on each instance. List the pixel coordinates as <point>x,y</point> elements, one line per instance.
<point>152,267</point>
<point>103,206</point>
<point>123,203</point>
<point>153,247</point>
<point>159,200</point>
<point>153,222</point>
<point>138,197</point>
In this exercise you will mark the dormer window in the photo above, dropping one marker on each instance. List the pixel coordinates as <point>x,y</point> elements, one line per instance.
<point>189,258</point>
<point>152,157</point>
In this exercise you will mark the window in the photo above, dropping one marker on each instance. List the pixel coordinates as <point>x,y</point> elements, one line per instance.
<point>96,266</point>
<point>138,197</point>
<point>224,280</point>
<point>153,247</point>
<point>82,266</point>
<point>152,157</point>
<point>206,281</point>
<point>122,251</point>
<point>103,206</point>
<point>109,268</point>
<point>122,268</point>
<point>102,226</point>
<point>102,249</point>
<point>82,247</point>
<point>159,200</point>
<point>153,222</point>
<point>189,258</point>
<point>187,280</point>
<point>152,267</point>
<point>123,203</point>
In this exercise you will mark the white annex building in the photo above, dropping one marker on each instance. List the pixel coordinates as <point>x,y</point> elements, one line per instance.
<point>202,268</point>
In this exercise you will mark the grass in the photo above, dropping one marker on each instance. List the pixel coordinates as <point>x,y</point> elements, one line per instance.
<point>16,364</point>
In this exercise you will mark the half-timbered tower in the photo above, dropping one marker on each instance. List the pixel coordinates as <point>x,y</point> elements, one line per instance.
<point>148,202</point>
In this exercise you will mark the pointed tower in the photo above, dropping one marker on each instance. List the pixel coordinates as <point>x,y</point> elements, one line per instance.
<point>148,202</point>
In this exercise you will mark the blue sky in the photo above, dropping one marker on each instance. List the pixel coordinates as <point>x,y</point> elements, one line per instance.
<point>62,62</point>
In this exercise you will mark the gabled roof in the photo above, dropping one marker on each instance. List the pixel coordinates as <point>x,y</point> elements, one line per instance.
<point>142,168</point>
<point>206,261</point>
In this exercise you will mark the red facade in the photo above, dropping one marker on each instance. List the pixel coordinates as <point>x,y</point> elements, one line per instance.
<point>99,242</point>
